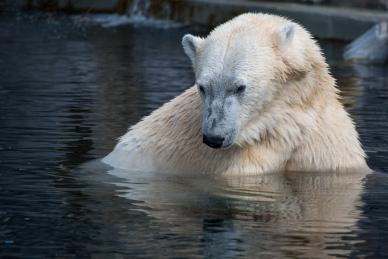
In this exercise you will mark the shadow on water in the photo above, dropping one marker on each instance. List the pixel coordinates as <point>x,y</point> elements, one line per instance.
<point>68,90</point>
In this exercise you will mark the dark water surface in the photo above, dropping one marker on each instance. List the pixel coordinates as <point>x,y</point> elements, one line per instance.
<point>68,90</point>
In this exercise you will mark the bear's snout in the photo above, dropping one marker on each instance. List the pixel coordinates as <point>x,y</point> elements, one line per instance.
<point>213,141</point>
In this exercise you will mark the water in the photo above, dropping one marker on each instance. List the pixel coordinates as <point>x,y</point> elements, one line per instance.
<point>69,88</point>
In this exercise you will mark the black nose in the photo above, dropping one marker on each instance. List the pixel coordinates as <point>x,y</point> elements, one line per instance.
<point>213,141</point>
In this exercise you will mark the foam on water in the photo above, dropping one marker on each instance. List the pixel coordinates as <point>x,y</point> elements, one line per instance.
<point>114,20</point>
<point>137,15</point>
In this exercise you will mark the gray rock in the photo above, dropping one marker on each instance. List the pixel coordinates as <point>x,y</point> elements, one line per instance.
<point>370,48</point>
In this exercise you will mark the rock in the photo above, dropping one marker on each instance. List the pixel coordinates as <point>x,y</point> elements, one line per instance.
<point>369,48</point>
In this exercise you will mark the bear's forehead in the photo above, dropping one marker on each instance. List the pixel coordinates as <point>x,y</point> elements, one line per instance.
<point>232,60</point>
<point>232,48</point>
<point>236,38</point>
<point>221,79</point>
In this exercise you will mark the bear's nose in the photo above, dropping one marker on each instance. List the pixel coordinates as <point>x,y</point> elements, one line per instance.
<point>213,141</point>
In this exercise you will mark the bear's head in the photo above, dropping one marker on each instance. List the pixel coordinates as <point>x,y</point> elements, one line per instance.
<point>241,66</point>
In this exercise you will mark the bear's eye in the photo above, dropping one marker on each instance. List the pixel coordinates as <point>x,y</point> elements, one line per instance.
<point>201,89</point>
<point>240,89</point>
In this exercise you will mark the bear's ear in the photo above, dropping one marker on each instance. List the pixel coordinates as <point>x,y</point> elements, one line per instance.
<point>291,49</point>
<point>191,45</point>
<point>285,34</point>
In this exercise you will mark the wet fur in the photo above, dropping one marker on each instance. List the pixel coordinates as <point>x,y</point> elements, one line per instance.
<point>299,126</point>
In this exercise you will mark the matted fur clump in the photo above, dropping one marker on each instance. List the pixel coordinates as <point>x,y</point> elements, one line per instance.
<point>263,100</point>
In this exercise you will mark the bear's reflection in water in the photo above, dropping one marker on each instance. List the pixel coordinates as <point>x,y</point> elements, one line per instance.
<point>285,215</point>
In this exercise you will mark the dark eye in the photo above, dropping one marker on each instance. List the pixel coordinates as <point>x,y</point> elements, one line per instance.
<point>201,89</point>
<point>240,89</point>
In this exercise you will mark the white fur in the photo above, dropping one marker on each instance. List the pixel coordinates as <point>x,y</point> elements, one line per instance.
<point>289,118</point>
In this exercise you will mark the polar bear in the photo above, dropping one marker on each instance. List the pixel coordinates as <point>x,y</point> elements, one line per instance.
<point>263,101</point>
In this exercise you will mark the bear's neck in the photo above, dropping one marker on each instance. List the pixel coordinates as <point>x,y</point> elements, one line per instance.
<point>294,110</point>
<point>324,136</point>
<point>306,123</point>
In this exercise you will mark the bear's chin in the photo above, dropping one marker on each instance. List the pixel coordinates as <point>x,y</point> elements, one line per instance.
<point>222,147</point>
<point>227,146</point>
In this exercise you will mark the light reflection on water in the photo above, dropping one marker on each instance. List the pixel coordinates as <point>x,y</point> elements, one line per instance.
<point>67,91</point>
